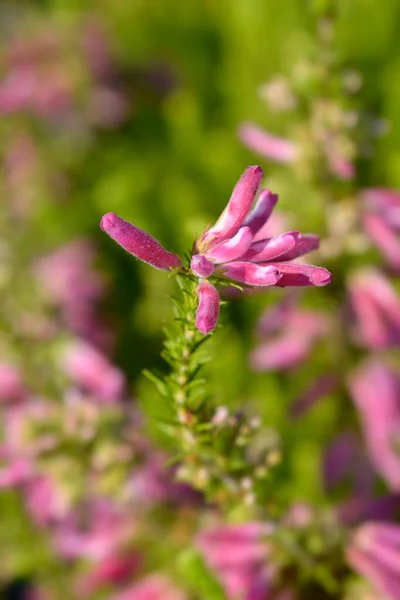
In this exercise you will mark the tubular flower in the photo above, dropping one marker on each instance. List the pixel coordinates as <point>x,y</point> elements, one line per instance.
<point>139,243</point>
<point>374,552</point>
<point>381,221</point>
<point>234,248</point>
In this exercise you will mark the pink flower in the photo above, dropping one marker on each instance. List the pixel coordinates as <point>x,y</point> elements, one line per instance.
<point>374,553</point>
<point>381,220</point>
<point>139,243</point>
<point>238,556</point>
<point>264,143</point>
<point>290,333</point>
<point>11,386</point>
<point>110,570</point>
<point>376,393</point>
<point>208,309</point>
<point>232,247</point>
<point>151,587</point>
<point>229,245</point>
<point>285,151</point>
<point>91,370</point>
<point>376,308</point>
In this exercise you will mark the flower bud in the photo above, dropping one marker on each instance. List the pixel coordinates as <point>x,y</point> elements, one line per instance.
<point>139,243</point>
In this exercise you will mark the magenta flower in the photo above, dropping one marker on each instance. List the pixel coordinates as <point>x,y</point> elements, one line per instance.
<point>237,554</point>
<point>381,220</point>
<point>92,371</point>
<point>285,151</point>
<point>376,309</point>
<point>231,248</point>
<point>139,243</point>
<point>150,587</point>
<point>289,334</point>
<point>376,391</point>
<point>229,245</point>
<point>208,309</point>
<point>374,553</point>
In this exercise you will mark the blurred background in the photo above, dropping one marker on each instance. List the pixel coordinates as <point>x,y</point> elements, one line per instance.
<point>134,107</point>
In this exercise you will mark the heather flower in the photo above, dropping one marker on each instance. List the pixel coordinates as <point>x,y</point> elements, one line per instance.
<point>289,335</point>
<point>139,243</point>
<point>231,247</point>
<point>374,553</point>
<point>381,221</point>
<point>11,386</point>
<point>376,391</point>
<point>285,151</point>
<point>376,309</point>
<point>93,372</point>
<point>208,309</point>
<point>237,555</point>
<point>151,587</point>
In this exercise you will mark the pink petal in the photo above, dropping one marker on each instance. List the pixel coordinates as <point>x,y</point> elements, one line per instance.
<point>238,206</point>
<point>371,569</point>
<point>384,237</point>
<point>262,211</point>
<point>233,248</point>
<point>264,250</point>
<point>139,243</point>
<point>301,275</point>
<point>271,146</point>
<point>208,308</point>
<point>281,353</point>
<point>306,242</point>
<point>252,274</point>
<point>201,266</point>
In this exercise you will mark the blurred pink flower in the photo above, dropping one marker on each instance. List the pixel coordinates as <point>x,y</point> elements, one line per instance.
<point>290,335</point>
<point>376,308</point>
<point>381,221</point>
<point>322,386</point>
<point>285,151</point>
<point>11,386</point>
<point>237,554</point>
<point>151,587</point>
<point>346,464</point>
<point>266,144</point>
<point>375,391</point>
<point>69,279</point>
<point>374,553</point>
<point>112,570</point>
<point>92,371</point>
<point>92,531</point>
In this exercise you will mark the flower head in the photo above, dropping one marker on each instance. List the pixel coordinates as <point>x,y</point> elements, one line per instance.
<point>374,552</point>
<point>232,244</point>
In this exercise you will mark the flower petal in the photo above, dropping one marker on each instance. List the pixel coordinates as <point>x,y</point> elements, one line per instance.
<point>252,274</point>
<point>384,237</point>
<point>301,275</point>
<point>139,243</point>
<point>208,308</point>
<point>271,248</point>
<point>306,242</point>
<point>271,146</point>
<point>238,206</point>
<point>201,266</point>
<point>262,211</point>
<point>233,248</point>
<point>282,352</point>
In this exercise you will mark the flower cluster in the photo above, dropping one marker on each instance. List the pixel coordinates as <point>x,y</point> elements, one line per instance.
<point>234,248</point>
